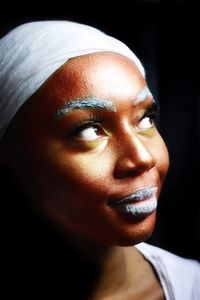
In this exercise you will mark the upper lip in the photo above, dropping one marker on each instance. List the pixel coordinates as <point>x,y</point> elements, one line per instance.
<point>139,195</point>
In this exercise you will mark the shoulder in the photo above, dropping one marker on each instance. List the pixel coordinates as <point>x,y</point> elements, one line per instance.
<point>182,274</point>
<point>172,260</point>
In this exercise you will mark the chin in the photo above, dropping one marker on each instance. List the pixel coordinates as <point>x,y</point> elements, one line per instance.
<point>137,232</point>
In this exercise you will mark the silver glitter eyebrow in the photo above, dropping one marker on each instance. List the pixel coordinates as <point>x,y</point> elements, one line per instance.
<point>142,95</point>
<point>90,103</point>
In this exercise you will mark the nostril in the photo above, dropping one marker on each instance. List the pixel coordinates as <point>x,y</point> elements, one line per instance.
<point>126,172</point>
<point>129,173</point>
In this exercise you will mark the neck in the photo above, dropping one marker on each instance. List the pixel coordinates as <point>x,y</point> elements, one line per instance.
<point>118,271</point>
<point>102,269</point>
<point>115,267</point>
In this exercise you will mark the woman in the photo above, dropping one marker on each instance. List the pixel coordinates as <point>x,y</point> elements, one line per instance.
<point>78,134</point>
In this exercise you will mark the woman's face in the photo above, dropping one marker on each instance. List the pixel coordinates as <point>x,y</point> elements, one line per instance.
<point>88,153</point>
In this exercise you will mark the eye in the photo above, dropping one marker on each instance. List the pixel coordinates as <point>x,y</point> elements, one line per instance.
<point>148,119</point>
<point>146,123</point>
<point>89,129</point>
<point>89,132</point>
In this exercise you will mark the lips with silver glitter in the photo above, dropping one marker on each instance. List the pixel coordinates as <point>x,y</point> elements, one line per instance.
<point>140,204</point>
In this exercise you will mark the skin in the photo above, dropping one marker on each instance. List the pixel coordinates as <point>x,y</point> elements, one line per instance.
<point>70,179</point>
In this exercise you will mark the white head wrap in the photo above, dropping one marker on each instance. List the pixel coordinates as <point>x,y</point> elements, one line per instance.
<point>31,52</point>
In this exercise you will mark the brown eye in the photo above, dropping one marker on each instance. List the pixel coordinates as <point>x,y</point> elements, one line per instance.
<point>90,132</point>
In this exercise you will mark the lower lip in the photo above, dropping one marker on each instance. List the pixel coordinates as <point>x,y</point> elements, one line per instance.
<point>139,209</point>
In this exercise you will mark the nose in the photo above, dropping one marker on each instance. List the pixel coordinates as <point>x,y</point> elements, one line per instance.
<point>134,157</point>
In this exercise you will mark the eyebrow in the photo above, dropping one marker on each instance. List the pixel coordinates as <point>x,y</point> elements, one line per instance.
<point>142,95</point>
<point>91,103</point>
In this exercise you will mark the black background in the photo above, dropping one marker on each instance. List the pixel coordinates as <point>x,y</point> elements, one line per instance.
<point>165,36</point>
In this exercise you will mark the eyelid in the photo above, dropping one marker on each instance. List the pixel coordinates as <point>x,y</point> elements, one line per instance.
<point>150,113</point>
<point>148,109</point>
<point>152,109</point>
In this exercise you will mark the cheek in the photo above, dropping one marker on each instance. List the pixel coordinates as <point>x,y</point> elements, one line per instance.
<point>80,184</point>
<point>83,172</point>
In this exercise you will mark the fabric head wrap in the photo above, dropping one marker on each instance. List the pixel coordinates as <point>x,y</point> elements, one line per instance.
<point>31,52</point>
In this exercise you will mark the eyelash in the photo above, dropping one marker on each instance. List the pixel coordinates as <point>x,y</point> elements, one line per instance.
<point>84,123</point>
<point>152,113</point>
